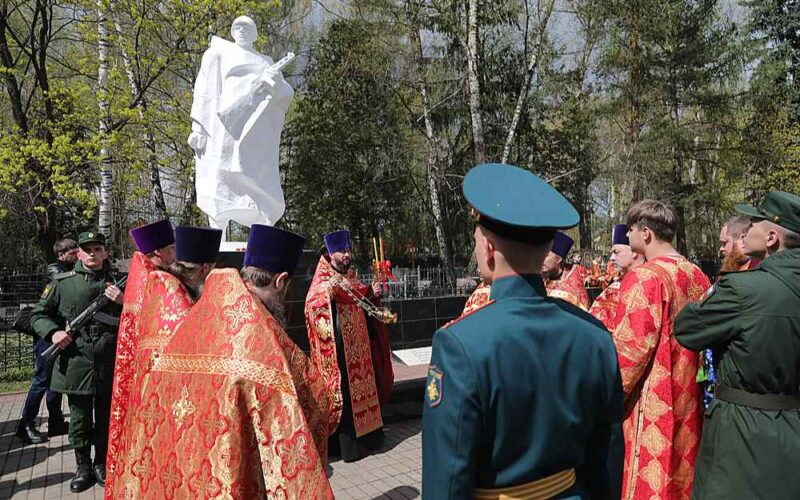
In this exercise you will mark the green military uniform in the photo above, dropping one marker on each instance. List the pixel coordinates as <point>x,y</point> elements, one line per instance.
<point>750,446</point>
<point>523,396</point>
<point>85,369</point>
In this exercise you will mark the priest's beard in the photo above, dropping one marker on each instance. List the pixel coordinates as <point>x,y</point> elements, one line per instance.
<point>733,261</point>
<point>190,275</point>
<point>276,307</point>
<point>340,267</point>
<point>553,274</point>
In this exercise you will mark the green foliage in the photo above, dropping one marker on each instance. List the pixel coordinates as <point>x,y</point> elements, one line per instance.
<point>675,73</point>
<point>16,375</point>
<point>350,157</point>
<point>629,98</point>
<point>15,380</point>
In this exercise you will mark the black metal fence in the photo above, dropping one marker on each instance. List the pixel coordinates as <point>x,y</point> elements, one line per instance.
<point>17,290</point>
<point>421,298</point>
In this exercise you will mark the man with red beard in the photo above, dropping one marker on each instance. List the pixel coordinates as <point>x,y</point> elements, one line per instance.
<point>731,239</point>
<point>350,348</point>
<point>751,431</point>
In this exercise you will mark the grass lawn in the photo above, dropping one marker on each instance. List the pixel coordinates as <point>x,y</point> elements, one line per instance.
<point>14,386</point>
<point>15,380</point>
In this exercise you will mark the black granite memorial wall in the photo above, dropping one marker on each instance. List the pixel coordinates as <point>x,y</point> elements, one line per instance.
<point>417,319</point>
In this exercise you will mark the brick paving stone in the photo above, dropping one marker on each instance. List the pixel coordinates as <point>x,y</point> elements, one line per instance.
<point>43,472</point>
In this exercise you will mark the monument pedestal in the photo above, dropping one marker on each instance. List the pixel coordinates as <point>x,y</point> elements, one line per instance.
<point>233,246</point>
<point>231,254</point>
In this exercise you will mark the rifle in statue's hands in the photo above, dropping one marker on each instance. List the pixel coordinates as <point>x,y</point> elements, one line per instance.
<point>236,109</point>
<point>82,319</point>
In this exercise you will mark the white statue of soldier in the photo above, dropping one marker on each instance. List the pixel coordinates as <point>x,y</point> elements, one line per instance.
<point>240,101</point>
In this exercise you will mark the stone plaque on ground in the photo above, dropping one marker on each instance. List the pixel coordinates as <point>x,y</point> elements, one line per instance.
<point>413,357</point>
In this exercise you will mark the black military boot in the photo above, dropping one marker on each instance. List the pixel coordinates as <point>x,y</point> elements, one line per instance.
<point>57,427</point>
<point>84,477</point>
<point>29,435</point>
<point>100,473</point>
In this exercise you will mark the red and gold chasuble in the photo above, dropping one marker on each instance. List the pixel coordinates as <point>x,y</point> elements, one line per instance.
<point>570,288</point>
<point>352,322</point>
<point>127,338</point>
<point>220,416</point>
<point>663,403</point>
<point>311,393</point>
<point>165,304</point>
<point>604,306</point>
<point>479,298</point>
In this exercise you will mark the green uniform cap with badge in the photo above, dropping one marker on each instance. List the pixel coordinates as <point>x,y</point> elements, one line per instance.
<point>778,207</point>
<point>91,237</point>
<point>516,204</point>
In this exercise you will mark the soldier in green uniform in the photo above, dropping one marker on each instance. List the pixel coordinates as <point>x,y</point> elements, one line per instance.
<point>751,320</point>
<point>523,397</point>
<point>84,370</point>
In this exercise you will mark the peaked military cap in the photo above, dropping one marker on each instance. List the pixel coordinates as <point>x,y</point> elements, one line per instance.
<point>779,207</point>
<point>516,204</point>
<point>91,237</point>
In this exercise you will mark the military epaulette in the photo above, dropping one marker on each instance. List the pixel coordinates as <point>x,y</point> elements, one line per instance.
<point>64,275</point>
<point>467,315</point>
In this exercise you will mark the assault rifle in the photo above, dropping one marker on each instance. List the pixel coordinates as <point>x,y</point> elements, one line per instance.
<point>235,115</point>
<point>82,319</point>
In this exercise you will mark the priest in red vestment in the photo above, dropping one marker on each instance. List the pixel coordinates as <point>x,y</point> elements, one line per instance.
<point>663,404</point>
<point>479,298</point>
<point>164,303</point>
<point>562,280</point>
<point>220,414</point>
<point>267,274</point>
<point>732,250</point>
<point>624,259</point>
<point>155,243</point>
<point>350,348</point>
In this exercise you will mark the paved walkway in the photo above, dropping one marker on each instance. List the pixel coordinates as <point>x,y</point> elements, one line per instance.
<point>43,471</point>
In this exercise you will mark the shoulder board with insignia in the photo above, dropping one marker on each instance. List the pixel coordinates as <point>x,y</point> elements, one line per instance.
<point>61,276</point>
<point>454,321</point>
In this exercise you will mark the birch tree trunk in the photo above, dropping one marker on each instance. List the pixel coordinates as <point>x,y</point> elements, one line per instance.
<point>634,118</point>
<point>478,142</point>
<point>157,193</point>
<point>106,175</point>
<point>432,169</point>
<point>523,92</point>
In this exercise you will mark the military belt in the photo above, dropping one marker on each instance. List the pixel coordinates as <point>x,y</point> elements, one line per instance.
<point>541,489</point>
<point>758,401</point>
